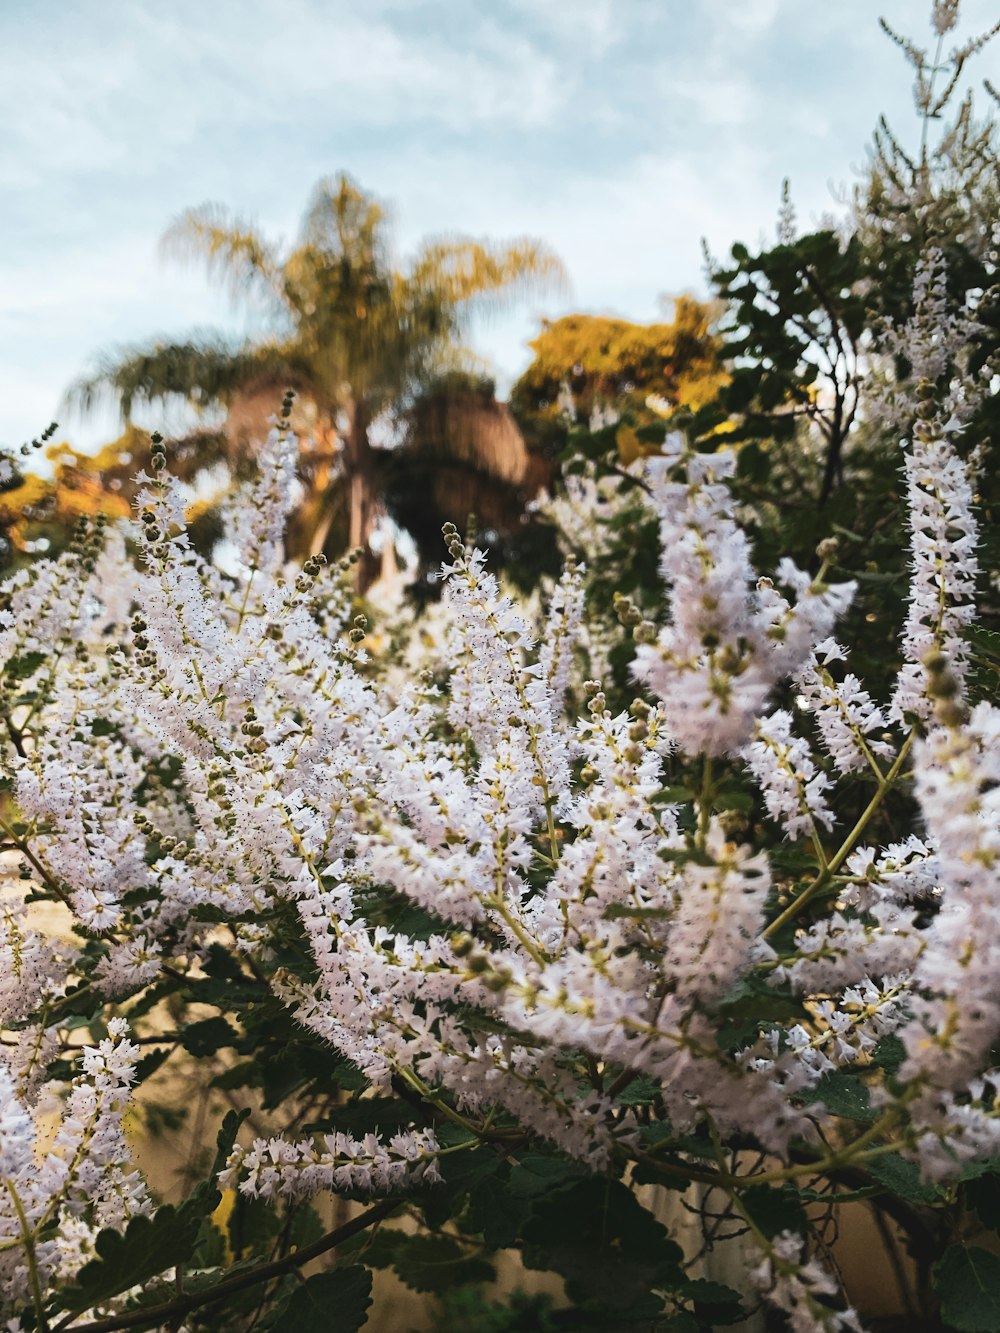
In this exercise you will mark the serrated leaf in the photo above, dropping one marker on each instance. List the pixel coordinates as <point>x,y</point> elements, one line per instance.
<point>889,1054</point>
<point>146,1248</point>
<point>902,1177</point>
<point>640,1092</point>
<point>714,1302</point>
<point>208,1036</point>
<point>609,1249</point>
<point>150,1063</point>
<point>979,1167</point>
<point>775,1210</point>
<point>707,1292</point>
<point>334,1302</point>
<point>437,1263</point>
<point>967,1281</point>
<point>20,668</point>
<point>441,1201</point>
<point>496,1213</point>
<point>253,1226</point>
<point>150,1245</point>
<point>536,1173</point>
<point>843,1095</point>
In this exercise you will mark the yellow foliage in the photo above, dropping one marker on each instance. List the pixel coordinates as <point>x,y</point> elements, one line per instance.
<point>610,362</point>
<point>49,507</point>
<point>630,447</point>
<point>16,506</point>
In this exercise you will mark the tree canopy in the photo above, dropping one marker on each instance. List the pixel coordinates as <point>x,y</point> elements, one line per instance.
<point>355,332</point>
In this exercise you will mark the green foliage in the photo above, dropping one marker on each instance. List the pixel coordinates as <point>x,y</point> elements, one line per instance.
<point>844,1095</point>
<point>982,1195</point>
<point>793,325</point>
<point>23,667</point>
<point>467,1309</point>
<point>967,1281</point>
<point>354,335</point>
<point>903,1178</point>
<point>334,1302</point>
<point>611,1252</point>
<point>428,1262</point>
<point>773,1210</point>
<point>148,1245</point>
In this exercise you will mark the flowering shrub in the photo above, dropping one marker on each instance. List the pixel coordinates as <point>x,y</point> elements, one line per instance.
<point>488,953</point>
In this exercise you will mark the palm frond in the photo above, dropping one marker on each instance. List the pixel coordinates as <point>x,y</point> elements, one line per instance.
<point>233,250</point>
<point>205,371</point>
<point>462,273</point>
<point>343,220</point>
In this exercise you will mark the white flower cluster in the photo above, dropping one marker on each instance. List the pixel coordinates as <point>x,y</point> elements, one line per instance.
<point>206,747</point>
<point>58,1193</point>
<point>801,1287</point>
<point>730,639</point>
<point>274,1167</point>
<point>846,715</point>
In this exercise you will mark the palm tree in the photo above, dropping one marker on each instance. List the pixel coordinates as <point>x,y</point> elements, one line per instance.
<point>354,335</point>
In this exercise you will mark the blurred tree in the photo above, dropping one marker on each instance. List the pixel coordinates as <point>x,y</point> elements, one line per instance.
<point>586,365</point>
<point>39,513</point>
<point>354,335</point>
<point>465,459</point>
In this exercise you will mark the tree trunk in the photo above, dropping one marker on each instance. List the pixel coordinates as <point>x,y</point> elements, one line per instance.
<point>362,497</point>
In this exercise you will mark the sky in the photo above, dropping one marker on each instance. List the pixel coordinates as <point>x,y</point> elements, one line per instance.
<point>620,132</point>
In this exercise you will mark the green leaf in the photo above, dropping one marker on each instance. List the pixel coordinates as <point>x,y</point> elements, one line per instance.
<point>334,1302</point>
<point>149,1245</point>
<point>150,1063</point>
<point>981,1167</point>
<point>902,1177</point>
<point>983,1197</point>
<point>706,1292</point>
<point>750,1004</point>
<point>208,1036</point>
<point>254,1226</point>
<point>611,1252</point>
<point>967,1280</point>
<point>843,1095</point>
<point>714,1303</point>
<point>889,1054</point>
<point>146,1247</point>
<point>753,463</point>
<point>496,1212</point>
<point>652,433</point>
<point>382,1115</point>
<point>210,1250</point>
<point>437,1263</point>
<point>640,1092</point>
<point>536,1173</point>
<point>441,1201</point>
<point>775,1210</point>
<point>20,668</point>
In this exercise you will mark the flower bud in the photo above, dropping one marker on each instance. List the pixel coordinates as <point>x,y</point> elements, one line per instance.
<point>827,548</point>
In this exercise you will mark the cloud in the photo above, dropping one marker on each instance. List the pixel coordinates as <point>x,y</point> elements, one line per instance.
<point>620,133</point>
